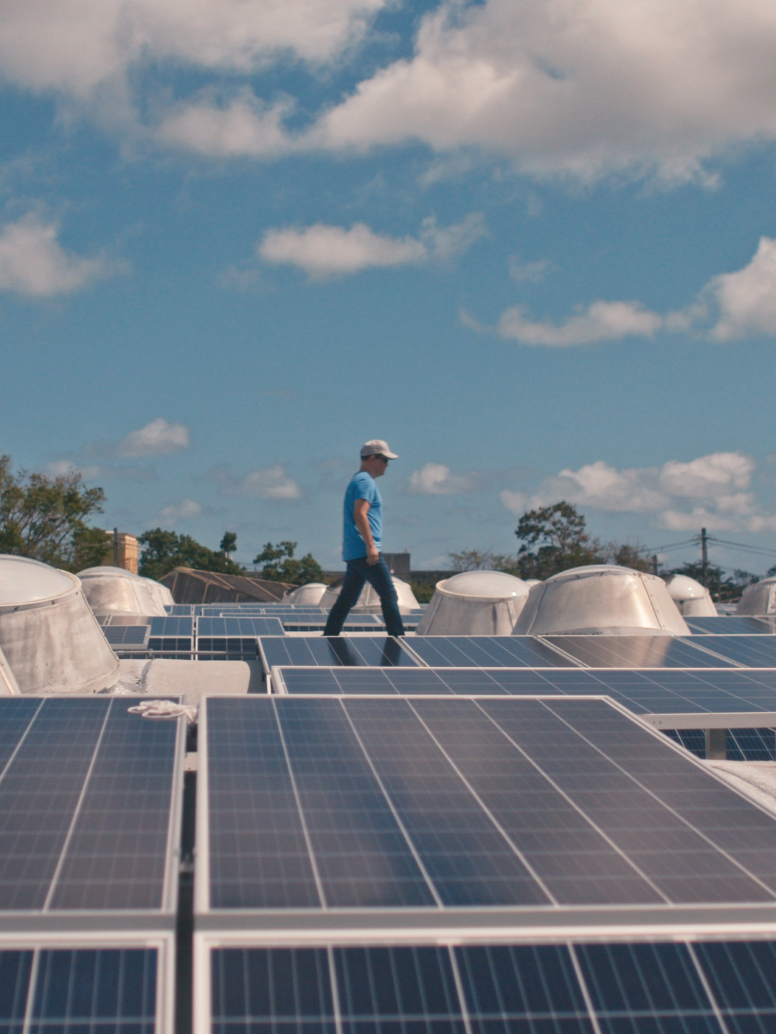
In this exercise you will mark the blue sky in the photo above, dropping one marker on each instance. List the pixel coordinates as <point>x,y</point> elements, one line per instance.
<point>531,244</point>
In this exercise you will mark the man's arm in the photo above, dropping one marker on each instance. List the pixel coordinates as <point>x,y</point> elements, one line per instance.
<point>361,517</point>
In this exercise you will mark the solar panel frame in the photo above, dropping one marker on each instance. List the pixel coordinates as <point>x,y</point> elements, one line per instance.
<point>82,822</point>
<point>305,924</point>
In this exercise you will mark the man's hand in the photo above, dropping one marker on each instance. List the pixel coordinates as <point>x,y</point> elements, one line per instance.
<point>372,556</point>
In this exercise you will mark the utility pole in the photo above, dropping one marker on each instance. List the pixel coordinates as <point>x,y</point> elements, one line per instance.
<point>654,563</point>
<point>115,547</point>
<point>704,556</point>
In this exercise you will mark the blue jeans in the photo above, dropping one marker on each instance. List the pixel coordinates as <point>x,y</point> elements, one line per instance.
<point>379,577</point>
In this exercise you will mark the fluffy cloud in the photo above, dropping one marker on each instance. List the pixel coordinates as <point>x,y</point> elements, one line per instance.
<point>324,251</point>
<point>86,47</point>
<point>265,483</point>
<point>186,510</point>
<point>437,479</point>
<point>603,321</point>
<point>100,471</point>
<point>157,438</point>
<point>746,300</point>
<point>244,126</point>
<point>730,306</point>
<point>34,263</point>
<point>582,87</point>
<point>714,489</point>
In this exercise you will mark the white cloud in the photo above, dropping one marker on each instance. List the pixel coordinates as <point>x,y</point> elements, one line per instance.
<point>528,272</point>
<point>437,479</point>
<point>186,510</point>
<point>747,299</point>
<point>729,307</point>
<point>582,87</point>
<point>242,127</point>
<point>325,251</point>
<point>87,47</point>
<point>100,471</point>
<point>34,263</point>
<point>265,483</point>
<point>157,438</point>
<point>602,321</point>
<point>714,489</point>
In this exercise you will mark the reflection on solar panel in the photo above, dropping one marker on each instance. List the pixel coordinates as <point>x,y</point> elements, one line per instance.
<point>622,988</point>
<point>740,744</point>
<point>127,637</point>
<point>105,990</point>
<point>238,626</point>
<point>732,625</point>
<point>753,651</point>
<point>87,794</point>
<point>125,619</point>
<point>316,803</point>
<point>635,651</point>
<point>658,691</point>
<point>487,651</point>
<point>357,623</point>
<point>364,651</point>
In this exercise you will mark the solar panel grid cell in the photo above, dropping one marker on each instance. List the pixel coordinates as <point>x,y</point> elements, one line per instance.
<point>108,990</point>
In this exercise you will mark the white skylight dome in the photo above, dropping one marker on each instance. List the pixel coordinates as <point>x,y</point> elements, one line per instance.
<point>160,592</point>
<point>475,603</point>
<point>692,598</point>
<point>305,595</point>
<point>603,599</point>
<point>369,602</point>
<point>112,590</point>
<point>759,598</point>
<point>48,633</point>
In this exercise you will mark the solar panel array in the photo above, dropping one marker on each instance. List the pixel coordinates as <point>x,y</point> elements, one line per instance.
<point>90,805</point>
<point>685,987</point>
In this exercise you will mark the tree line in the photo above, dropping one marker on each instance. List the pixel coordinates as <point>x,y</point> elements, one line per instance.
<point>46,518</point>
<point>554,538</point>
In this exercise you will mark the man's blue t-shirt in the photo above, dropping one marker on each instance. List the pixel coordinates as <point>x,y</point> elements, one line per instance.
<point>362,486</point>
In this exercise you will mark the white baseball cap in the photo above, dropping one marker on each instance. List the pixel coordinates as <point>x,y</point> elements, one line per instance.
<point>377,447</point>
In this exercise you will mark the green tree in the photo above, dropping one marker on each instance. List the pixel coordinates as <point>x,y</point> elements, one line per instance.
<point>165,550</point>
<point>553,539</point>
<point>44,518</point>
<point>280,565</point>
<point>228,543</point>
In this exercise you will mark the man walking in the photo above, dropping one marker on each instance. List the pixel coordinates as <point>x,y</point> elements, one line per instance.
<point>362,541</point>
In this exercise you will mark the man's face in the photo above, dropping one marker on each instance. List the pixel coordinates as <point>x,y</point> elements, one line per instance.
<point>376,465</point>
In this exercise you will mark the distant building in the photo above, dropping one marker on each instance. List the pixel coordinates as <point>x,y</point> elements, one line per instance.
<point>124,552</point>
<point>190,586</point>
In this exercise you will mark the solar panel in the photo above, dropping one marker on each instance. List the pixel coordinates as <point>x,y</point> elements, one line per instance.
<point>731,625</point>
<point>487,651</point>
<point>364,651</point>
<point>752,651</point>
<point>359,623</point>
<point>127,637</point>
<point>450,804</point>
<point>236,627</point>
<point>740,744</point>
<point>676,987</point>
<point>655,691</point>
<point>637,651</point>
<point>172,626</point>
<point>89,796</point>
